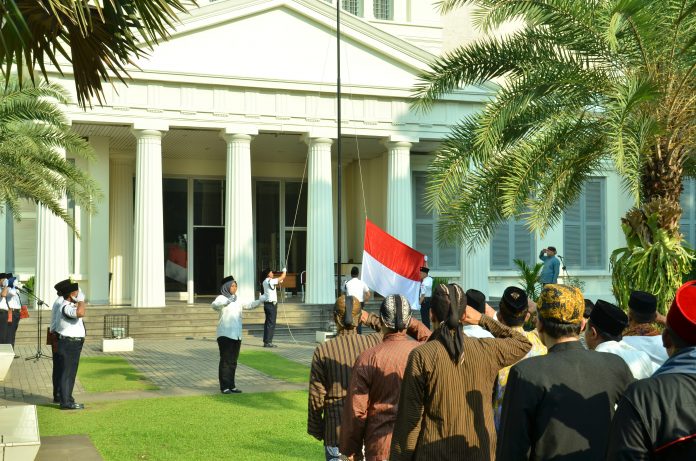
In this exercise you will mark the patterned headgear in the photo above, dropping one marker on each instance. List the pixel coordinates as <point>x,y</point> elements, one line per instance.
<point>395,312</point>
<point>561,303</point>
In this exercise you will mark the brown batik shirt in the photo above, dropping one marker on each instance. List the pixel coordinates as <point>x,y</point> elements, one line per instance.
<point>373,397</point>
<point>332,365</point>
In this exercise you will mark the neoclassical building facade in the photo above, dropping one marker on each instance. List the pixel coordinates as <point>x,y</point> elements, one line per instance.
<point>219,157</point>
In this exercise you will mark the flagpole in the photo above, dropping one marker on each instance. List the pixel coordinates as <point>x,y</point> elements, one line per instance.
<point>338,146</point>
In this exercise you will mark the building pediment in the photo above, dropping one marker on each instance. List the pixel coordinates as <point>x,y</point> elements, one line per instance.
<point>285,40</point>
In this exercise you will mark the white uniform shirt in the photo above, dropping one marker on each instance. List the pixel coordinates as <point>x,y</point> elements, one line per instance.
<point>230,323</point>
<point>651,345</point>
<point>55,313</point>
<point>356,288</point>
<point>68,322</point>
<point>639,362</point>
<point>476,331</point>
<point>13,298</point>
<point>426,288</point>
<point>270,290</point>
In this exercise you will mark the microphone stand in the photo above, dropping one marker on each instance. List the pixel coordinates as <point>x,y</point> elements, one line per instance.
<point>563,267</point>
<point>39,302</point>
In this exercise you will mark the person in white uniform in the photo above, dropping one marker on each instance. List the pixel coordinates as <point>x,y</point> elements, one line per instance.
<point>603,334</point>
<point>15,306</point>
<point>270,305</point>
<point>644,332</point>
<point>357,289</point>
<point>71,337</point>
<point>426,292</point>
<point>229,332</point>
<point>477,300</point>
<point>62,290</point>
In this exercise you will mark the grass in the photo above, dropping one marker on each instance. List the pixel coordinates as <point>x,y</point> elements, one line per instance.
<point>275,366</point>
<point>110,374</point>
<point>249,427</point>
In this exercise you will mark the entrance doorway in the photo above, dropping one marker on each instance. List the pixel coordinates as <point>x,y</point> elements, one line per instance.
<point>208,235</point>
<point>281,210</point>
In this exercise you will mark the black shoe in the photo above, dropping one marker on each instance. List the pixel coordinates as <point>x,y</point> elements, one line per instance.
<point>234,390</point>
<point>226,391</point>
<point>17,356</point>
<point>73,406</point>
<point>269,345</point>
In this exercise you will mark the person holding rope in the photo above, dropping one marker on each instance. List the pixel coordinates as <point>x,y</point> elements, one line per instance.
<point>229,332</point>
<point>270,305</point>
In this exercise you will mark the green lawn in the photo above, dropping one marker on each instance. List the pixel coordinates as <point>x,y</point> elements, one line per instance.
<point>109,374</point>
<point>245,427</point>
<point>274,365</point>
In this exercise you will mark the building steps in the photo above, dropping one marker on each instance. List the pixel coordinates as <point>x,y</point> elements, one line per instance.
<point>182,321</point>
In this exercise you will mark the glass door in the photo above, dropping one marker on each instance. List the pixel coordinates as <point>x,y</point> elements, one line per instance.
<point>208,235</point>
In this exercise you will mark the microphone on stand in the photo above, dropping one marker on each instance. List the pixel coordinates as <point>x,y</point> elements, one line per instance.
<point>563,266</point>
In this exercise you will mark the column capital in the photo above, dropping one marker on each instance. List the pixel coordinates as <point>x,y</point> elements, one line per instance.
<point>249,130</point>
<point>142,134</point>
<point>150,125</point>
<point>236,137</point>
<point>405,140</point>
<point>308,139</point>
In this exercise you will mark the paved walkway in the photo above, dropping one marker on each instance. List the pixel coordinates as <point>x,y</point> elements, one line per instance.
<point>178,367</point>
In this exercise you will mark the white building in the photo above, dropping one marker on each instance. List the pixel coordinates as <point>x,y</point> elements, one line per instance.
<point>201,158</point>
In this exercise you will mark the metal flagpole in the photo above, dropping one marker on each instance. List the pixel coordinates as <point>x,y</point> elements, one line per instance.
<point>338,146</point>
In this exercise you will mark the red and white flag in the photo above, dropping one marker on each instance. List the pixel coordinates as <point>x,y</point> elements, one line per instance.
<point>389,266</point>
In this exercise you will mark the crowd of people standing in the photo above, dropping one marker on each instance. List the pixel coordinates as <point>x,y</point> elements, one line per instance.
<point>500,392</point>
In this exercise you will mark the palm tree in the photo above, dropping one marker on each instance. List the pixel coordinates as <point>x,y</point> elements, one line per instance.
<point>32,130</point>
<point>581,85</point>
<point>98,38</point>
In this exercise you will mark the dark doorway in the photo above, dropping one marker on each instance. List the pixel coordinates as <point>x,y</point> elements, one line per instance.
<point>208,264</point>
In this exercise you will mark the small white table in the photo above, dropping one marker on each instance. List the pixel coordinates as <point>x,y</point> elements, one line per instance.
<point>19,433</point>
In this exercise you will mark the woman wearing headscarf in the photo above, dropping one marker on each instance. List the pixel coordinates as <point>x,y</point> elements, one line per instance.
<point>229,332</point>
<point>445,410</point>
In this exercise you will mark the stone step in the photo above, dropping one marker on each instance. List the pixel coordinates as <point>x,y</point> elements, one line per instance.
<point>185,321</point>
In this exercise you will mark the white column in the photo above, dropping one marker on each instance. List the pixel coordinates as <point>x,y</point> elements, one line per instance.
<point>121,228</point>
<point>475,267</point>
<point>239,236</point>
<point>320,237</point>
<point>51,251</point>
<point>399,192</point>
<point>4,244</point>
<point>148,236</point>
<point>97,238</point>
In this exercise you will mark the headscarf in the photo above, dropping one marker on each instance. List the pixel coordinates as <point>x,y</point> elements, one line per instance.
<point>225,290</point>
<point>449,304</point>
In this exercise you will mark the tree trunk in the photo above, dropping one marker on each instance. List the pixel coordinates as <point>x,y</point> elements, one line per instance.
<point>662,186</point>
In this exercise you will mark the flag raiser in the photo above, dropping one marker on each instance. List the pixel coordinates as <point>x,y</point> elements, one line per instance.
<point>389,266</point>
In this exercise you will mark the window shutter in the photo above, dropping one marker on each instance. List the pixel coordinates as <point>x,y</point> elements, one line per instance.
<point>584,239</point>
<point>594,228</point>
<point>524,243</point>
<point>424,238</point>
<point>383,9</point>
<point>419,184</point>
<point>500,248</point>
<point>572,234</point>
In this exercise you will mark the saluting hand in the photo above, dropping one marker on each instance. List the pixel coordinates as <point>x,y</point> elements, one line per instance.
<point>471,316</point>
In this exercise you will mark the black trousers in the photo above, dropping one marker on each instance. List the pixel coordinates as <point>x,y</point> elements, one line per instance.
<point>229,353</point>
<point>4,327</point>
<point>57,372</point>
<point>70,350</point>
<point>12,328</point>
<point>271,311</point>
<point>425,312</point>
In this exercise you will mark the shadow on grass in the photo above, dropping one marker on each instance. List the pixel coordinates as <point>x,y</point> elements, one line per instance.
<point>275,366</point>
<point>110,374</point>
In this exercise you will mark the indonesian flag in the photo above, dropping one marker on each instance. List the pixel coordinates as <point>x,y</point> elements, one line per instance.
<point>389,266</point>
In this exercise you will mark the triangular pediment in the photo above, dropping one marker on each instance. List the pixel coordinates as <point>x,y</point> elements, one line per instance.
<point>285,40</point>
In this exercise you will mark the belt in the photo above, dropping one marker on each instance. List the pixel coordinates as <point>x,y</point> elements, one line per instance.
<point>70,338</point>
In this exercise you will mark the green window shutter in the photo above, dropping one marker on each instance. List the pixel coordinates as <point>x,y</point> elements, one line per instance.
<point>584,228</point>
